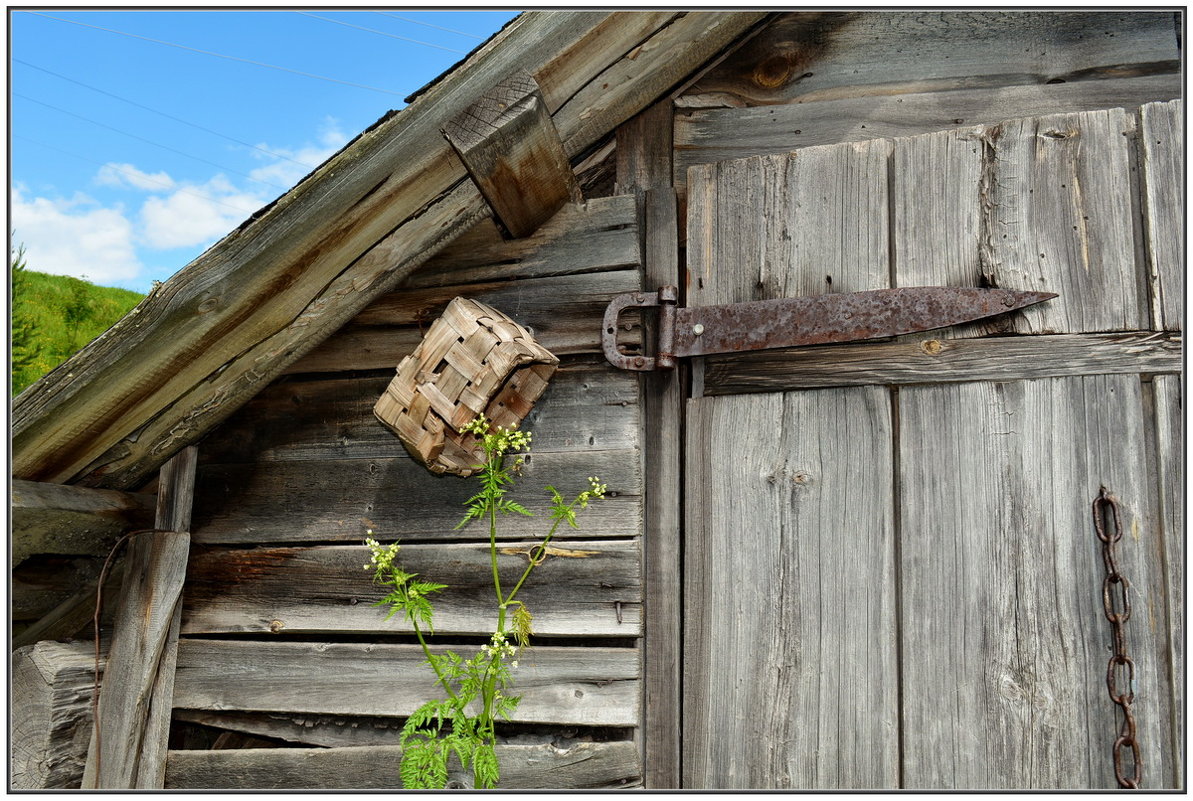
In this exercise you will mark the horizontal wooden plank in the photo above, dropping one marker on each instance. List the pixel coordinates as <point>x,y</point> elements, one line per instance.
<point>596,236</point>
<point>558,685</point>
<point>564,312</point>
<point>589,405</point>
<point>337,499</point>
<point>943,360</point>
<point>325,731</point>
<point>583,766</point>
<point>62,519</point>
<point>585,587</point>
<point>823,55</point>
<point>703,137</point>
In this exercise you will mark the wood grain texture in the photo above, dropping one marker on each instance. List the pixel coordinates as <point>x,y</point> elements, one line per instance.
<point>1038,204</point>
<point>822,55</point>
<point>583,766</point>
<point>703,137</point>
<point>154,572</point>
<point>564,312</point>
<point>582,589</point>
<point>269,292</point>
<point>599,235</point>
<point>1001,577</point>
<point>50,714</point>
<point>1162,148</point>
<point>644,165</point>
<point>75,611</point>
<point>944,360</point>
<point>337,499</point>
<point>61,519</point>
<point>790,671</point>
<point>1172,482</point>
<point>588,406</point>
<point>512,151</point>
<point>558,685</point>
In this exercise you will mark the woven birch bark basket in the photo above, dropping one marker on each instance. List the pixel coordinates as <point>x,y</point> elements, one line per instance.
<point>473,360</point>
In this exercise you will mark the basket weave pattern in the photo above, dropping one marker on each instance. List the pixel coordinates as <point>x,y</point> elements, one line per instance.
<point>473,359</point>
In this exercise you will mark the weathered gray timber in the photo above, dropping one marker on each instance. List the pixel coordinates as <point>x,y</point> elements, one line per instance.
<point>944,360</point>
<point>706,136</point>
<point>512,151</point>
<point>252,304</point>
<point>1162,138</point>
<point>338,499</point>
<point>1172,478</point>
<point>790,669</point>
<point>598,235</point>
<point>74,612</point>
<point>644,165</point>
<point>326,731</point>
<point>1037,204</point>
<point>559,685</point>
<point>589,405</point>
<point>1001,577</point>
<point>57,518</point>
<point>824,55</point>
<point>585,587</point>
<point>128,748</point>
<point>565,313</point>
<point>580,767</point>
<point>51,714</point>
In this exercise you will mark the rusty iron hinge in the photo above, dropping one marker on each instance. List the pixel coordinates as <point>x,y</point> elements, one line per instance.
<point>791,322</point>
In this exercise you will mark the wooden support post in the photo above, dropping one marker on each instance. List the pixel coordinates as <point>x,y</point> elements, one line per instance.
<point>644,166</point>
<point>514,154</point>
<point>128,748</point>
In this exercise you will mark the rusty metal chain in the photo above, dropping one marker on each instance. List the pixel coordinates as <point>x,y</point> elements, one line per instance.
<point>1116,602</point>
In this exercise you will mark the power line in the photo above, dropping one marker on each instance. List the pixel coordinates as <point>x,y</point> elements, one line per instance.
<point>164,114</point>
<point>221,55</point>
<point>148,141</point>
<point>429,25</point>
<point>137,175</point>
<point>379,33</point>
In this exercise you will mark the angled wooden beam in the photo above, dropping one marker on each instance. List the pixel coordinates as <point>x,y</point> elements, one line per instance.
<point>128,748</point>
<point>63,519</point>
<point>208,339</point>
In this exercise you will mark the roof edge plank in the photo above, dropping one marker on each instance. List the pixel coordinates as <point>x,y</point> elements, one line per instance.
<point>209,338</point>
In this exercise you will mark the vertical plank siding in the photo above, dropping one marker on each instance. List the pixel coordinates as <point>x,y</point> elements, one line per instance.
<point>790,644</point>
<point>1162,137</point>
<point>1001,578</point>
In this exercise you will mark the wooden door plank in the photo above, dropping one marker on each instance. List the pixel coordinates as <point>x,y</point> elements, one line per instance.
<point>1171,473</point>
<point>706,136</point>
<point>1035,204</point>
<point>581,766</point>
<point>586,686</point>
<point>790,648</point>
<point>1004,638</point>
<point>1162,137</point>
<point>942,360</point>
<point>584,588</point>
<point>644,165</point>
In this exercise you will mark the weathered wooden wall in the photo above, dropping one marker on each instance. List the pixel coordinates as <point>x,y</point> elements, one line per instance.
<point>280,642</point>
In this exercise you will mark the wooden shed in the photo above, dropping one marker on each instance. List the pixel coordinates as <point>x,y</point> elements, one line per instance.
<point>861,565</point>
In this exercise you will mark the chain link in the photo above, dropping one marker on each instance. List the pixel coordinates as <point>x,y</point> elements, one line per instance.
<point>1117,605</point>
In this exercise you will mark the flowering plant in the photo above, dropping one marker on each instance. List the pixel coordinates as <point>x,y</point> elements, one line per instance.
<point>463,722</point>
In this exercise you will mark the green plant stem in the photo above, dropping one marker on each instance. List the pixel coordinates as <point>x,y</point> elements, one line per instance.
<point>427,652</point>
<point>532,563</point>
<point>493,551</point>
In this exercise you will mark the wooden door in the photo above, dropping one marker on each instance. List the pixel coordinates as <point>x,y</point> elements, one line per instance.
<point>891,573</point>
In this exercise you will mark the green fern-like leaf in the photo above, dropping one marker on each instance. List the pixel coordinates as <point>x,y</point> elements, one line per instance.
<point>484,767</point>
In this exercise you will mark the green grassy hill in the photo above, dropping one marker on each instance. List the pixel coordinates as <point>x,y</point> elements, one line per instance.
<point>53,316</point>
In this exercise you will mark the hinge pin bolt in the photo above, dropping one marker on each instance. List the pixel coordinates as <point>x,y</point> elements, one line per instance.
<point>698,329</point>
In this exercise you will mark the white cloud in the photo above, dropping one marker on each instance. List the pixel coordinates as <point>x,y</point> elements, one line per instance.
<point>195,214</point>
<point>75,237</point>
<point>285,172</point>
<point>122,175</point>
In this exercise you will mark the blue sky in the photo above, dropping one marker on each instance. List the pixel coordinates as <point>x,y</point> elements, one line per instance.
<point>127,193</point>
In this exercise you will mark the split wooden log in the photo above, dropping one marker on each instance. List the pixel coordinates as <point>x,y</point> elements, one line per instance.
<point>129,745</point>
<point>514,154</point>
<point>61,519</point>
<point>52,684</point>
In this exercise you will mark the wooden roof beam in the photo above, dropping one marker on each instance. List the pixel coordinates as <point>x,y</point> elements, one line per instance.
<point>58,519</point>
<point>510,147</point>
